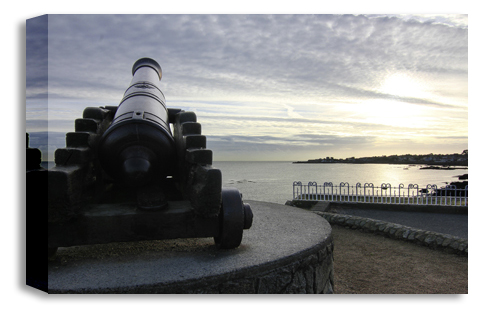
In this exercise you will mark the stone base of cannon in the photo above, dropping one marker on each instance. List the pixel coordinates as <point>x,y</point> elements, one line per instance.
<point>287,250</point>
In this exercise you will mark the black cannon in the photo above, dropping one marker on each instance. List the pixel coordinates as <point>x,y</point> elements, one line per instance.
<point>125,175</point>
<point>138,147</point>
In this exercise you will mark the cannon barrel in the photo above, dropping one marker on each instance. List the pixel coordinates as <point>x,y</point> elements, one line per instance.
<point>138,147</point>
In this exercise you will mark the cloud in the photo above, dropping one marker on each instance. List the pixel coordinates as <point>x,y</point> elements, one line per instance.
<point>267,147</point>
<point>242,54</point>
<point>37,58</point>
<point>309,70</point>
<point>451,20</point>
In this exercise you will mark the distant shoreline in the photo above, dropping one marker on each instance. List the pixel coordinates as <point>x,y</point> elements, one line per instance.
<point>431,165</point>
<point>437,161</point>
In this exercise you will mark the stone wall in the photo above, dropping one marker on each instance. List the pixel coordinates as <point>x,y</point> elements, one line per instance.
<point>311,274</point>
<point>431,239</point>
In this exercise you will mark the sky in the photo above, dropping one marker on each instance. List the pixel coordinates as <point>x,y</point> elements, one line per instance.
<point>284,87</point>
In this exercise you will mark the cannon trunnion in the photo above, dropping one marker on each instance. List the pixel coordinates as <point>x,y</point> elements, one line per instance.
<point>125,175</point>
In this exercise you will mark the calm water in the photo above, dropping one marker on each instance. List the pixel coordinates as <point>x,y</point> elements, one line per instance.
<point>273,181</point>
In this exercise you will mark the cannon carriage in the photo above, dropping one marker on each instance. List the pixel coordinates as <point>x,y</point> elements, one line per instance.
<point>140,171</point>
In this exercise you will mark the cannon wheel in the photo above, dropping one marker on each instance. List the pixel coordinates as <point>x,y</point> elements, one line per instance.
<point>232,219</point>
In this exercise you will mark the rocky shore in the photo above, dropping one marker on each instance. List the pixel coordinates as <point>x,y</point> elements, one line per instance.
<point>443,167</point>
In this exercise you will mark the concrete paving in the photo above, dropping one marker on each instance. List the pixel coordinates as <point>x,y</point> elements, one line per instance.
<point>453,224</point>
<point>279,235</point>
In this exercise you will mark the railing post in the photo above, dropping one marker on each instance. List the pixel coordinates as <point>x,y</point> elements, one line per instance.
<point>296,184</point>
<point>431,191</point>
<point>294,195</point>
<point>401,186</point>
<point>451,188</point>
<point>310,184</point>
<point>434,187</point>
<point>358,185</point>
<point>348,191</point>
<point>365,189</point>
<point>412,186</point>
<point>385,186</point>
<point>328,184</point>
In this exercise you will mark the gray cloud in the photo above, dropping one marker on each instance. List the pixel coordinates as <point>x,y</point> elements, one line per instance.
<point>328,54</point>
<point>301,138</point>
<point>300,122</point>
<point>274,148</point>
<point>37,58</point>
<point>239,61</point>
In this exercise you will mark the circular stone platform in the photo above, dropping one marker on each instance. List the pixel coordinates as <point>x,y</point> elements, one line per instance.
<point>287,250</point>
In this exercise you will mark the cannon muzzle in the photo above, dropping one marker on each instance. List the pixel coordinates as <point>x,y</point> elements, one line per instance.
<point>138,147</point>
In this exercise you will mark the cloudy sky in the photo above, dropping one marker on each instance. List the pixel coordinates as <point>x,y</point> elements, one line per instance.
<point>265,87</point>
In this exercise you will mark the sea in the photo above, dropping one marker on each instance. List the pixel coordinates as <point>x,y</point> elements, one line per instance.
<point>273,181</point>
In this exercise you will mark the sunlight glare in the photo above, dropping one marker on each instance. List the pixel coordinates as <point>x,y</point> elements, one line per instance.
<point>392,113</point>
<point>401,84</point>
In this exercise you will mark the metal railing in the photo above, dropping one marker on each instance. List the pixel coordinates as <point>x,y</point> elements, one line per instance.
<point>383,194</point>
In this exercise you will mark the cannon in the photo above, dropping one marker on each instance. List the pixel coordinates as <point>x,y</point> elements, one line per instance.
<point>140,171</point>
<point>138,147</point>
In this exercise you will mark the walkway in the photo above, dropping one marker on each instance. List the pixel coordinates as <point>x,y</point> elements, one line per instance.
<point>453,224</point>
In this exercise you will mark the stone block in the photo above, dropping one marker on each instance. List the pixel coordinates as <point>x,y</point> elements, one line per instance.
<point>321,276</point>
<point>204,190</point>
<point>420,237</point>
<point>64,192</point>
<point>185,116</point>
<point>350,222</point>
<point>439,240</point>
<point>298,286</point>
<point>86,125</point>
<point>195,142</point>
<point>429,239</point>
<point>81,140</point>
<point>190,128</point>
<point>97,113</point>
<point>392,230</point>
<point>454,244</point>
<point>199,156</point>
<point>33,158</point>
<point>172,112</point>
<point>73,156</point>
<point>309,274</point>
<point>446,242</point>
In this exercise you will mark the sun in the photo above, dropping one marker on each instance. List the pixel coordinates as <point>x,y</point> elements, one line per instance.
<point>402,85</point>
